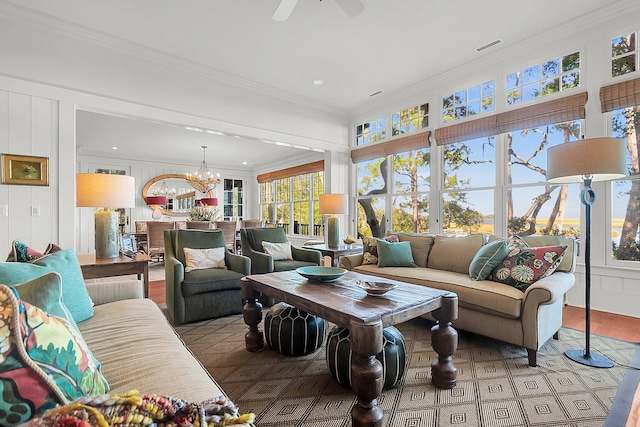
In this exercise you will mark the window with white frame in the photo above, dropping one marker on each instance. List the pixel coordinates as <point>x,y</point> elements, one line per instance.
<point>625,195</point>
<point>371,178</point>
<point>552,76</point>
<point>371,131</point>
<point>410,119</point>
<point>469,102</point>
<point>411,185</point>
<point>624,55</point>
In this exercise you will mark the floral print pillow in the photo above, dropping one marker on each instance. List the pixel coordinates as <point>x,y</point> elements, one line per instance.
<point>525,265</point>
<point>370,248</point>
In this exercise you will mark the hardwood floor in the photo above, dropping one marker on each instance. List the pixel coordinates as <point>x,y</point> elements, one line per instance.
<point>602,323</point>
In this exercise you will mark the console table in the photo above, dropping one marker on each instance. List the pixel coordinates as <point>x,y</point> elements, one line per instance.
<point>337,252</point>
<point>93,268</point>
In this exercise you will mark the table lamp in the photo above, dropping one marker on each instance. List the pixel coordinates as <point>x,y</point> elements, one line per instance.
<point>586,161</point>
<point>333,204</point>
<point>97,190</point>
<point>154,202</point>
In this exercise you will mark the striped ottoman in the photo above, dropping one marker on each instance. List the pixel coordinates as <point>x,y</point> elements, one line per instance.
<point>293,332</point>
<point>392,357</point>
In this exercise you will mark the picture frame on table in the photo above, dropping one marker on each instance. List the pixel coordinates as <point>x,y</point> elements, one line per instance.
<point>25,170</point>
<point>128,245</point>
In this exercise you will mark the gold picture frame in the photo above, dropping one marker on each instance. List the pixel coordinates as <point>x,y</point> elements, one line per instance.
<point>25,170</point>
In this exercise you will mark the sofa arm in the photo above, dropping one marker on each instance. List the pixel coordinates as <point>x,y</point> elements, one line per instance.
<point>350,262</point>
<point>308,255</point>
<point>106,292</point>
<point>238,263</point>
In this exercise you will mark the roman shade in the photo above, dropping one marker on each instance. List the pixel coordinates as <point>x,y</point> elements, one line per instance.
<point>292,171</point>
<point>554,111</point>
<point>620,95</point>
<point>411,142</point>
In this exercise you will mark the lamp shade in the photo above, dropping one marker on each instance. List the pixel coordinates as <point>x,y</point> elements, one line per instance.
<point>209,201</point>
<point>600,159</point>
<point>99,190</point>
<point>334,204</point>
<point>156,201</point>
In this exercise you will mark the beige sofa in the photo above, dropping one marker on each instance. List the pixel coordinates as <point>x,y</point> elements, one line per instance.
<point>528,319</point>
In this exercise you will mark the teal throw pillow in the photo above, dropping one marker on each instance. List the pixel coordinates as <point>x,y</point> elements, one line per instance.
<point>395,254</point>
<point>65,263</point>
<point>487,258</point>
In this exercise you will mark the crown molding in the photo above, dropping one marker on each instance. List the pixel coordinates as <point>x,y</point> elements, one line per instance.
<point>84,34</point>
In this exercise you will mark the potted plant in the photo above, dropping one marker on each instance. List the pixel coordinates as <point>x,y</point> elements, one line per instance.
<point>201,216</point>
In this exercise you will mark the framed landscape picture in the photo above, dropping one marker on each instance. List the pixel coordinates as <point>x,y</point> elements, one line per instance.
<point>25,170</point>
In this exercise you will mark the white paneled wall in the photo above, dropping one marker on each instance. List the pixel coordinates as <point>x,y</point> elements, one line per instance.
<point>29,126</point>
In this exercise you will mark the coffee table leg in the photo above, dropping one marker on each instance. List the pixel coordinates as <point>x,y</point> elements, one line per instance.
<point>444,339</point>
<point>252,314</point>
<point>366,373</point>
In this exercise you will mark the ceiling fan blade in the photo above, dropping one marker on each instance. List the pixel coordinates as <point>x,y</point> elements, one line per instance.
<point>352,8</point>
<point>284,10</point>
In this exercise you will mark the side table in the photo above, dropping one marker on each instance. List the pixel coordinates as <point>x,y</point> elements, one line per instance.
<point>93,268</point>
<point>337,252</point>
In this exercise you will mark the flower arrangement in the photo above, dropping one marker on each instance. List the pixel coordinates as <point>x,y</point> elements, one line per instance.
<point>203,213</point>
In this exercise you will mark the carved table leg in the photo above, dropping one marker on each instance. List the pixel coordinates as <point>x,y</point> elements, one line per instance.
<point>366,373</point>
<point>252,313</point>
<point>444,339</point>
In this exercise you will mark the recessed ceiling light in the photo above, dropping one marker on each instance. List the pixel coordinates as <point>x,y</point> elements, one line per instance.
<point>114,148</point>
<point>317,82</point>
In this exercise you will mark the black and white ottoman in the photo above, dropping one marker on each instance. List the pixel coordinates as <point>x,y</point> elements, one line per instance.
<point>392,357</point>
<point>293,332</point>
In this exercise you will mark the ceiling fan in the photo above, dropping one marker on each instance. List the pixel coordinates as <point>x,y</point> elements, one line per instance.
<point>352,8</point>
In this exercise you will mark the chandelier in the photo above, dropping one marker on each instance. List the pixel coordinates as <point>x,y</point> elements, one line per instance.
<point>164,190</point>
<point>203,180</point>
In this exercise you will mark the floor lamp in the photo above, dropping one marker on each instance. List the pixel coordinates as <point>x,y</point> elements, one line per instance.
<point>586,161</point>
<point>99,190</point>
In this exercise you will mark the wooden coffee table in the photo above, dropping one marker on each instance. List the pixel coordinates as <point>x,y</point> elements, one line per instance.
<point>344,303</point>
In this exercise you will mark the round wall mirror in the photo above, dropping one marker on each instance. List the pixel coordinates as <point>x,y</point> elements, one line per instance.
<point>180,195</point>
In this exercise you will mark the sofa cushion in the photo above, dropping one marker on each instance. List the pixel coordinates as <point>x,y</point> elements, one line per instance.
<point>198,259</point>
<point>278,251</point>
<point>196,239</point>
<point>44,361</point>
<point>525,266</point>
<point>65,263</point>
<point>370,248</point>
<point>420,245</point>
<point>454,253</point>
<point>568,259</point>
<point>394,254</point>
<point>139,349</point>
<point>487,258</point>
<point>208,280</point>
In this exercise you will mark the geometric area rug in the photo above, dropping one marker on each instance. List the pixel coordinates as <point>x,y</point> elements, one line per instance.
<point>495,385</point>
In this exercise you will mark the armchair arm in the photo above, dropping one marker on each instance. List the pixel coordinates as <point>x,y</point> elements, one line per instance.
<point>238,263</point>
<point>350,262</point>
<point>174,276</point>
<point>308,255</point>
<point>106,291</point>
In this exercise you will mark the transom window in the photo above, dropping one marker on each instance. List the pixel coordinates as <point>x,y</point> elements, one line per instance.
<point>624,55</point>
<point>371,131</point>
<point>410,120</point>
<point>469,102</point>
<point>549,77</point>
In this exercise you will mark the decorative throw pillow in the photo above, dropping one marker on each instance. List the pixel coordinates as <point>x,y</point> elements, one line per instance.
<point>43,361</point>
<point>370,248</point>
<point>394,254</point>
<point>279,251</point>
<point>198,259</point>
<point>487,258</point>
<point>74,291</point>
<point>20,252</point>
<point>525,266</point>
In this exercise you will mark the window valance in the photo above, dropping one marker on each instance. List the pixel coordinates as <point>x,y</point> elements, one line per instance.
<point>555,111</point>
<point>620,95</point>
<point>414,141</point>
<point>292,171</point>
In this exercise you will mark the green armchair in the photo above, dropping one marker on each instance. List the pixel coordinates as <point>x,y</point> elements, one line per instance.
<point>251,240</point>
<point>206,293</point>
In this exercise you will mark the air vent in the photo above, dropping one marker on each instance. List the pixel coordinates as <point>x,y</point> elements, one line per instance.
<point>378,92</point>
<point>488,45</point>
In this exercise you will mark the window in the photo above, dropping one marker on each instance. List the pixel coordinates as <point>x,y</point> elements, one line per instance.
<point>371,131</point>
<point>411,185</point>
<point>292,203</point>
<point>625,203</point>
<point>624,54</point>
<point>534,207</point>
<point>371,181</point>
<point>232,200</point>
<point>549,77</point>
<point>470,102</point>
<point>469,186</point>
<point>410,120</point>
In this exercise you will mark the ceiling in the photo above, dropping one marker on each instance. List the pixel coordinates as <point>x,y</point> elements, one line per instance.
<point>390,46</point>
